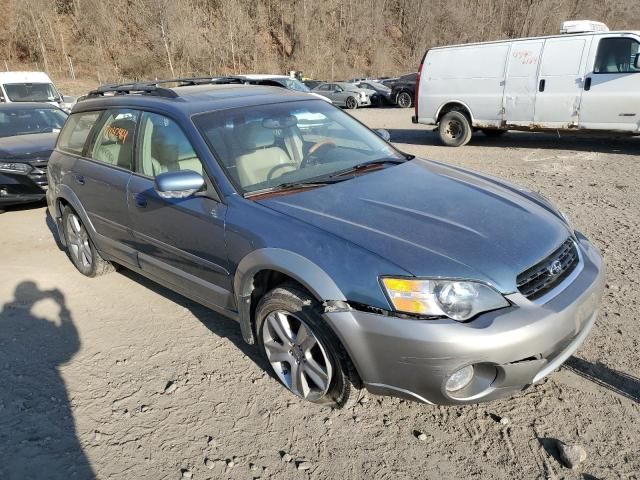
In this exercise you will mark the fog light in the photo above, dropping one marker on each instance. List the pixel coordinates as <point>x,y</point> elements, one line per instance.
<point>460,379</point>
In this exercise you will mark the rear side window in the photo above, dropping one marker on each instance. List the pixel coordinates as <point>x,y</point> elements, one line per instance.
<point>114,142</point>
<point>617,55</point>
<point>76,131</point>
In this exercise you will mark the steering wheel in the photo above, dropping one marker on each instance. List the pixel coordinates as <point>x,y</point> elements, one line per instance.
<point>315,148</point>
<point>272,172</point>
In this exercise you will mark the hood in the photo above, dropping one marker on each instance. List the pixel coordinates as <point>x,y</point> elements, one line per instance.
<point>434,221</point>
<point>27,147</point>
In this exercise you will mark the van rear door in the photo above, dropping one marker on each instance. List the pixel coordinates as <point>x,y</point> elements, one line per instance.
<point>560,82</point>
<point>611,96</point>
<point>521,83</point>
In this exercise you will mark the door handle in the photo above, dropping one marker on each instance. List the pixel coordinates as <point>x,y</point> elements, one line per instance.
<point>587,84</point>
<point>541,85</point>
<point>80,179</point>
<point>141,201</point>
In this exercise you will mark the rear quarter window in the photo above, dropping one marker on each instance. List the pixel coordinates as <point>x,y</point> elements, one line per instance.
<point>76,130</point>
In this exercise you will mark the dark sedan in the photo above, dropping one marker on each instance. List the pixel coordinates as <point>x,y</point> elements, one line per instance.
<point>28,133</point>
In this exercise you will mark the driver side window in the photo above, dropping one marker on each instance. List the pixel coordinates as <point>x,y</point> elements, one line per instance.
<point>164,147</point>
<point>617,55</point>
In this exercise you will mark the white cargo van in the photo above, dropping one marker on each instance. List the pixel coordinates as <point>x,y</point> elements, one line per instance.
<point>587,78</point>
<point>31,87</point>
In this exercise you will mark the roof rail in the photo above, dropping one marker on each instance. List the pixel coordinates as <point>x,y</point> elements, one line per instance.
<point>152,87</point>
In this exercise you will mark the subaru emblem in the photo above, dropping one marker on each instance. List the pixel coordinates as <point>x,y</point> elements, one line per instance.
<point>555,268</point>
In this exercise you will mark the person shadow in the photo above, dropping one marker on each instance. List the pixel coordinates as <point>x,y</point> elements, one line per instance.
<point>37,432</point>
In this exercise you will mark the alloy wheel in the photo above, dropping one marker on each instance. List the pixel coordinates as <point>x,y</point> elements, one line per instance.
<point>78,241</point>
<point>351,103</point>
<point>404,100</point>
<point>296,355</point>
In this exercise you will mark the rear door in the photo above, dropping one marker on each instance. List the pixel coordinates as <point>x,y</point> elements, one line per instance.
<point>100,181</point>
<point>521,83</point>
<point>611,96</point>
<point>560,82</point>
<point>179,241</point>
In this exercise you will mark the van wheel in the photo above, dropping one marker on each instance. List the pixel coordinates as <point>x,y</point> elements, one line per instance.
<point>80,248</point>
<point>455,129</point>
<point>493,132</point>
<point>351,103</point>
<point>404,100</point>
<point>303,351</point>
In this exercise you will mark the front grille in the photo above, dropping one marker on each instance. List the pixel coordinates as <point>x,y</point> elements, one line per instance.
<point>536,281</point>
<point>39,172</point>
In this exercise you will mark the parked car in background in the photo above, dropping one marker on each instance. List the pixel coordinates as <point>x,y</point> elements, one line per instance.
<point>32,87</point>
<point>347,262</point>
<point>311,84</point>
<point>585,79</point>
<point>388,82</point>
<point>404,90</point>
<point>283,80</point>
<point>381,93</point>
<point>28,133</point>
<point>344,94</point>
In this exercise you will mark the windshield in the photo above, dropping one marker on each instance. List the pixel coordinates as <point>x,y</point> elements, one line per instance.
<point>293,84</point>
<point>31,92</point>
<point>25,121</point>
<point>261,147</point>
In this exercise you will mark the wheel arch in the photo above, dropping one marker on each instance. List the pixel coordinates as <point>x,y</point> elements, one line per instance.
<point>66,196</point>
<point>275,266</point>
<point>454,105</point>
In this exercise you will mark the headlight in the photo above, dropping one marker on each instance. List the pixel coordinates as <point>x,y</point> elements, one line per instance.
<point>456,299</point>
<point>14,167</point>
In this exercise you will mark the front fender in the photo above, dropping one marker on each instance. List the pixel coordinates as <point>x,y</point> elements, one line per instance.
<point>307,273</point>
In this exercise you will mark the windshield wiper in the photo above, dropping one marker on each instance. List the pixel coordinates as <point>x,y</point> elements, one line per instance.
<point>311,183</point>
<point>365,165</point>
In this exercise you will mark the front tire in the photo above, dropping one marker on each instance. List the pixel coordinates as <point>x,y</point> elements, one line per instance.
<point>404,100</point>
<point>303,352</point>
<point>80,248</point>
<point>455,129</point>
<point>351,103</point>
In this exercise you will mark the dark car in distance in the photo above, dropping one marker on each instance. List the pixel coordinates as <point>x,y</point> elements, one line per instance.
<point>403,90</point>
<point>347,262</point>
<point>28,133</point>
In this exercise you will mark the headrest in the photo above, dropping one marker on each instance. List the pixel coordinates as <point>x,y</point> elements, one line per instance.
<point>254,136</point>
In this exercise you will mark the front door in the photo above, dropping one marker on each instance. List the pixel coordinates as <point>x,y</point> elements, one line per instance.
<point>560,82</point>
<point>611,96</point>
<point>179,241</point>
<point>100,181</point>
<point>521,83</point>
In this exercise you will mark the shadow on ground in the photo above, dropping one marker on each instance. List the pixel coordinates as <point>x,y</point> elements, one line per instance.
<point>575,142</point>
<point>37,432</point>
<point>618,382</point>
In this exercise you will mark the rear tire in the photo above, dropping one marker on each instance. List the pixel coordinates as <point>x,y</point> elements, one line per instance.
<point>455,129</point>
<point>351,103</point>
<point>404,100</point>
<point>303,352</point>
<point>493,132</point>
<point>80,248</point>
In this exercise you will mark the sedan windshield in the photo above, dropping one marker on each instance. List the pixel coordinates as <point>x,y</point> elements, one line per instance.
<point>31,92</point>
<point>264,147</point>
<point>24,121</point>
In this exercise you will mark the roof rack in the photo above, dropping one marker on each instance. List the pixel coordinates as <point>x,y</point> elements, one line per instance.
<point>153,88</point>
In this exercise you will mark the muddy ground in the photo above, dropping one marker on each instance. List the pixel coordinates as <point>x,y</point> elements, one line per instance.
<point>117,377</point>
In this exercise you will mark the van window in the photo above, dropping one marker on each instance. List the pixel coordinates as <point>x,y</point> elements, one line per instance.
<point>617,55</point>
<point>31,92</point>
<point>75,132</point>
<point>164,147</point>
<point>113,144</point>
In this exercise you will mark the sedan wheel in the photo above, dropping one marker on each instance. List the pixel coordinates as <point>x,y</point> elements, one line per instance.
<point>296,355</point>
<point>351,103</point>
<point>404,100</point>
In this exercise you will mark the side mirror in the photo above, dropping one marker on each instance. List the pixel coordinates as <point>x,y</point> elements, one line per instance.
<point>383,134</point>
<point>337,90</point>
<point>180,184</point>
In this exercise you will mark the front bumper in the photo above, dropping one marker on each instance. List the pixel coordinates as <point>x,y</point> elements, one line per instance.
<point>22,188</point>
<point>510,348</point>
<point>364,102</point>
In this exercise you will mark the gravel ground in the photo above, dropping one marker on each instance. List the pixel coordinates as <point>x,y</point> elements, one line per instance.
<point>117,377</point>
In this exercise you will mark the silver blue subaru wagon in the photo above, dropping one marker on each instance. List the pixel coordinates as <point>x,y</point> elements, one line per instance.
<point>348,263</point>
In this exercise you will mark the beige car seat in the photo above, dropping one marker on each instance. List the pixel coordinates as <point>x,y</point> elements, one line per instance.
<point>263,160</point>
